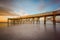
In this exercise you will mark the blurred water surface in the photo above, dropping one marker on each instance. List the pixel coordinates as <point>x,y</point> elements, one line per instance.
<point>30,31</point>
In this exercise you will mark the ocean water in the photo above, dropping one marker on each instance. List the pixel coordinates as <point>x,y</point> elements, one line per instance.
<point>29,31</point>
<point>3,25</point>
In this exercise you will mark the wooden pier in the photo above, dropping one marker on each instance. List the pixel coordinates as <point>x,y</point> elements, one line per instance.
<point>35,18</point>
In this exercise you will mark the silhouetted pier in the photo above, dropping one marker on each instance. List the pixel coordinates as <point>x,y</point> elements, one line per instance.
<point>31,18</point>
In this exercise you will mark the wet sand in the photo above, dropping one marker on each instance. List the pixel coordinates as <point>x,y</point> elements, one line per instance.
<point>31,32</point>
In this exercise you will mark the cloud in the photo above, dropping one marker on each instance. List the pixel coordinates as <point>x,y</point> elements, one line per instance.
<point>42,5</point>
<point>58,8</point>
<point>55,1</point>
<point>10,4</point>
<point>6,2</point>
<point>21,12</point>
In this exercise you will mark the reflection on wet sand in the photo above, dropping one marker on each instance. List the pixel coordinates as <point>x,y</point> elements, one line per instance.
<point>41,31</point>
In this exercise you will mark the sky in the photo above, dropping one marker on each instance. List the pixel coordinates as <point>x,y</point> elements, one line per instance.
<point>26,7</point>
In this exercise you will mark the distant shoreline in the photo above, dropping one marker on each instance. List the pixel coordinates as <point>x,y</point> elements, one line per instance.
<point>3,22</point>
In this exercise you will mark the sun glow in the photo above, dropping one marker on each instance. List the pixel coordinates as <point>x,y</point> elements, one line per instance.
<point>5,18</point>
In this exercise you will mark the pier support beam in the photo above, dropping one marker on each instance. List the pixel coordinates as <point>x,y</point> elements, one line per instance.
<point>8,21</point>
<point>17,21</point>
<point>54,20</point>
<point>38,20</point>
<point>25,20</point>
<point>13,21</point>
<point>33,20</point>
<point>28,20</point>
<point>44,19</point>
<point>20,21</point>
